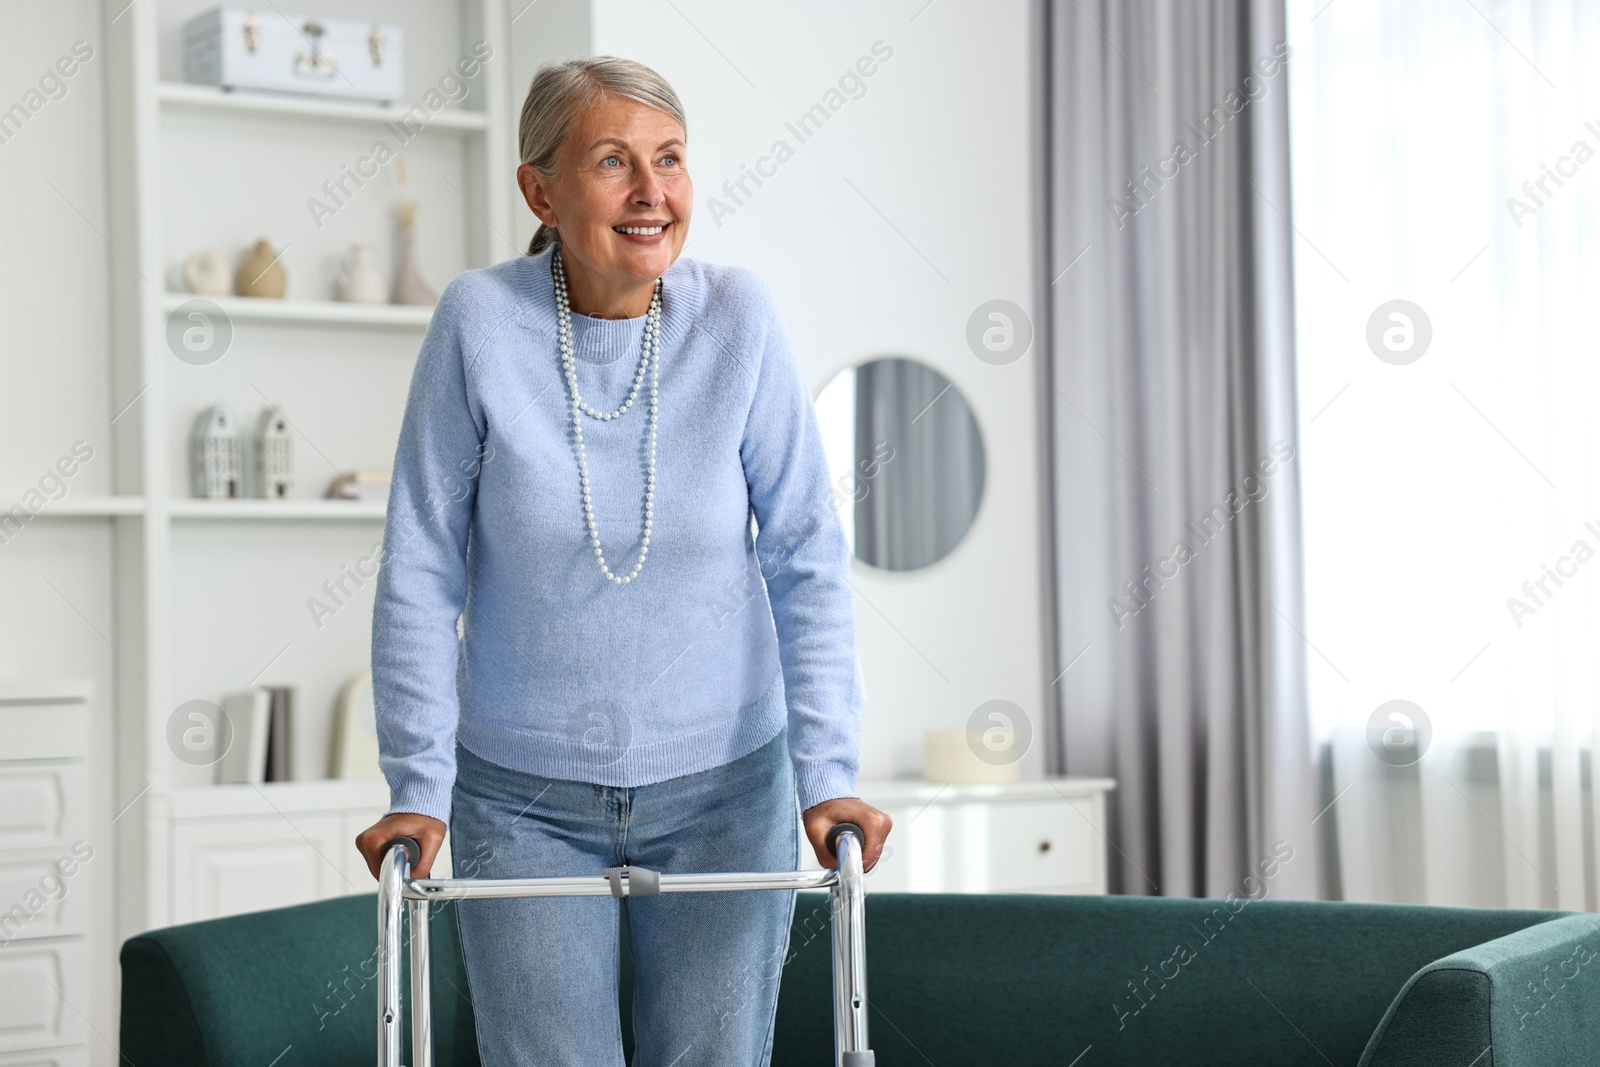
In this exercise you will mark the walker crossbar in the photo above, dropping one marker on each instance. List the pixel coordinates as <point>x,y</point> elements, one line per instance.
<point>847,886</point>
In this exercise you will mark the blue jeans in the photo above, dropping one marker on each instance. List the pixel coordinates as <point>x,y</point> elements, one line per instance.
<point>543,972</point>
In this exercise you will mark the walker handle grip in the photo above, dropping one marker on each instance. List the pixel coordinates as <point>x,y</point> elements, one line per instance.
<point>843,827</point>
<point>413,850</point>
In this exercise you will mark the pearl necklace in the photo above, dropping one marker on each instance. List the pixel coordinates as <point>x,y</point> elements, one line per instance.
<point>651,358</point>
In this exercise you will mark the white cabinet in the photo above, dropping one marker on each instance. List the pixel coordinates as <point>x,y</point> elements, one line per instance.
<point>239,848</point>
<point>227,866</point>
<point>1046,836</point>
<point>45,865</point>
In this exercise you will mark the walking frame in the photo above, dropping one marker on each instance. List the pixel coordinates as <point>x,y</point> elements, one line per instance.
<point>847,891</point>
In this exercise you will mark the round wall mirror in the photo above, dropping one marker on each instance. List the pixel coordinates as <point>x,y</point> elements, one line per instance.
<point>906,461</point>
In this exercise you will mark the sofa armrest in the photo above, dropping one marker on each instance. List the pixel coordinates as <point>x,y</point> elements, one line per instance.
<point>1529,999</point>
<point>158,1018</point>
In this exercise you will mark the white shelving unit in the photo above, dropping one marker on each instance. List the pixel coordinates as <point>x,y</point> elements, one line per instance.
<point>210,595</point>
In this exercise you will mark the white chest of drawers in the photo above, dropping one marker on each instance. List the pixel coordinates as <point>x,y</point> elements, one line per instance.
<point>1027,837</point>
<point>45,867</point>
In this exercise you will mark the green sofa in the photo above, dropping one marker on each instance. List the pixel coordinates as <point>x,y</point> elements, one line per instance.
<point>965,980</point>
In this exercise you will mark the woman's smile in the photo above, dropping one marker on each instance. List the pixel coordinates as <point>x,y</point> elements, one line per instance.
<point>644,233</point>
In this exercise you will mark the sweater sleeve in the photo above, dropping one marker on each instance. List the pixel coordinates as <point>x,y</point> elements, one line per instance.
<point>422,580</point>
<point>805,561</point>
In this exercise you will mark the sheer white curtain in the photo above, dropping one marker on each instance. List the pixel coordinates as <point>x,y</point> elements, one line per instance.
<point>1447,153</point>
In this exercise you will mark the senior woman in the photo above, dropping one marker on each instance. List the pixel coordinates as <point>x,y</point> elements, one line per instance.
<point>582,654</point>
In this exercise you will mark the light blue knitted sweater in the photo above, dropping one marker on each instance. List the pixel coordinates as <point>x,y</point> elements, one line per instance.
<point>557,671</point>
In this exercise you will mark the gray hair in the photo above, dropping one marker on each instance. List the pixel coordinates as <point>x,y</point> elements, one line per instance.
<point>559,96</point>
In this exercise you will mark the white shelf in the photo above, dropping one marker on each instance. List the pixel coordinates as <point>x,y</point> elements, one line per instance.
<point>305,795</point>
<point>917,791</point>
<point>91,507</point>
<point>309,312</point>
<point>45,690</point>
<point>277,510</point>
<point>203,98</point>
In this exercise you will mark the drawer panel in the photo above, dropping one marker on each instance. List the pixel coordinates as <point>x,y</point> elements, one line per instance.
<point>46,730</point>
<point>1044,845</point>
<point>77,1056</point>
<point>32,1011</point>
<point>47,891</point>
<point>42,805</point>
<point>991,846</point>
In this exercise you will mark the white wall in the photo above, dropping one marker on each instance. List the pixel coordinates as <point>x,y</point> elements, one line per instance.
<point>55,574</point>
<point>885,230</point>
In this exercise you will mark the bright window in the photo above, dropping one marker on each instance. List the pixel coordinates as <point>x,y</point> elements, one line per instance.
<point>1447,153</point>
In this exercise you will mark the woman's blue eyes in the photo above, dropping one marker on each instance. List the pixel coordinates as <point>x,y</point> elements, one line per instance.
<point>610,158</point>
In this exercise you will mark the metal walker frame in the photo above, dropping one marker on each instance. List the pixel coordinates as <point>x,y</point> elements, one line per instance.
<point>847,885</point>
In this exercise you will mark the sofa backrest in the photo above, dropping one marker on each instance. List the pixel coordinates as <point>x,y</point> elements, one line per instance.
<point>1142,980</point>
<point>952,979</point>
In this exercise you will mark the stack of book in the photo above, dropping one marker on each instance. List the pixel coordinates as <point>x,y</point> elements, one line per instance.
<point>262,745</point>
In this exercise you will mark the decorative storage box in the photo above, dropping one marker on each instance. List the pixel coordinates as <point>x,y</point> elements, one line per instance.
<point>291,52</point>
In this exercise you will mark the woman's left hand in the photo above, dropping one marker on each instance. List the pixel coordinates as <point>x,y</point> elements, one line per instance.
<point>820,818</point>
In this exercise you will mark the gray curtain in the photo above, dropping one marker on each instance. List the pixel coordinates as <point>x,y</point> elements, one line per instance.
<point>1178,586</point>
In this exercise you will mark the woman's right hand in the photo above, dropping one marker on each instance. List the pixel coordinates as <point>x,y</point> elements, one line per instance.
<point>428,831</point>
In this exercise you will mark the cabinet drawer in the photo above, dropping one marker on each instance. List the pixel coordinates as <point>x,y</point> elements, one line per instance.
<point>1044,845</point>
<point>77,1056</point>
<point>230,866</point>
<point>42,805</point>
<point>46,892</point>
<point>995,844</point>
<point>32,1011</point>
<point>45,730</point>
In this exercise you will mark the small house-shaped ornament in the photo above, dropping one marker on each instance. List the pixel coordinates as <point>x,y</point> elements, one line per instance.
<point>215,465</point>
<point>274,468</point>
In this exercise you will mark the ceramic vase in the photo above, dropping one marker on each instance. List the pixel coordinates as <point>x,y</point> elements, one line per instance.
<point>359,278</point>
<point>409,288</point>
<point>261,273</point>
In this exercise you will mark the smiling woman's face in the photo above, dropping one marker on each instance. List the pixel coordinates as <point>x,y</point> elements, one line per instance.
<point>624,165</point>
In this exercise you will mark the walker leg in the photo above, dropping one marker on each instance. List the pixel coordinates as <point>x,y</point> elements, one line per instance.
<point>389,1011</point>
<point>850,958</point>
<point>421,986</point>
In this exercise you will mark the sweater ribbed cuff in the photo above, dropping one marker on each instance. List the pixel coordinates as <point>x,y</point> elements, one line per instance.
<point>824,780</point>
<point>424,798</point>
